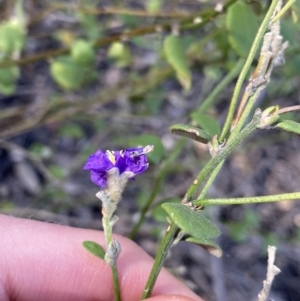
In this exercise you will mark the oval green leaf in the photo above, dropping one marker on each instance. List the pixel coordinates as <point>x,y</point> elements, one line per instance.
<point>289,126</point>
<point>12,37</point>
<point>8,77</point>
<point>191,222</point>
<point>242,26</point>
<point>71,75</point>
<point>82,52</point>
<point>190,132</point>
<point>67,73</point>
<point>120,53</point>
<point>176,57</point>
<point>157,154</point>
<point>206,122</point>
<point>158,213</point>
<point>94,248</point>
<point>7,89</point>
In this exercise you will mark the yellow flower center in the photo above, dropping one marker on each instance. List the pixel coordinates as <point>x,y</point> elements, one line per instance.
<point>111,156</point>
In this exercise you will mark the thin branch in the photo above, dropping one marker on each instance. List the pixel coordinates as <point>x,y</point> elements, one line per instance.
<point>120,11</point>
<point>249,200</point>
<point>272,271</point>
<point>106,11</point>
<point>286,110</point>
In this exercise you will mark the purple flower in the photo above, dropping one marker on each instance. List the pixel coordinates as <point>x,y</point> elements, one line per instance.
<point>129,162</point>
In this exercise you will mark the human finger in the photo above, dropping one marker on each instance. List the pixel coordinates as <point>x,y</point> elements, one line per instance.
<point>42,261</point>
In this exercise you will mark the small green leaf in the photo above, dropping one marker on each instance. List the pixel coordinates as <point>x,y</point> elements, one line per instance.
<point>153,6</point>
<point>120,53</point>
<point>83,53</point>
<point>157,154</point>
<point>67,73</point>
<point>94,248</point>
<point>7,89</point>
<point>12,37</point>
<point>158,213</point>
<point>71,75</point>
<point>191,222</point>
<point>176,57</point>
<point>206,244</point>
<point>190,132</point>
<point>289,126</point>
<point>242,25</point>
<point>206,122</point>
<point>8,77</point>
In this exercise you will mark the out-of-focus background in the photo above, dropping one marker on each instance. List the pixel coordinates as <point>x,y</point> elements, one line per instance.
<point>76,76</point>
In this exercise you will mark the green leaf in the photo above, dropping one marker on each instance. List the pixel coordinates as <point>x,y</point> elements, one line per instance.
<point>190,132</point>
<point>191,222</point>
<point>8,77</point>
<point>94,248</point>
<point>83,53</point>
<point>70,75</point>
<point>120,53</point>
<point>12,37</point>
<point>206,122</point>
<point>176,57</point>
<point>153,6</point>
<point>289,126</point>
<point>7,89</point>
<point>66,73</point>
<point>206,244</point>
<point>242,26</point>
<point>158,213</point>
<point>157,154</point>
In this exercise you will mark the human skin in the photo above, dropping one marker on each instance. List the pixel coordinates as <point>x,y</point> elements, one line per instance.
<point>43,261</point>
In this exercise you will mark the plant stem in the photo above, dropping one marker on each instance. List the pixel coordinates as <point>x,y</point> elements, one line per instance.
<point>283,11</point>
<point>245,113</point>
<point>208,101</point>
<point>107,228</point>
<point>162,252</point>
<point>210,180</point>
<point>287,110</point>
<point>249,200</point>
<point>157,186</point>
<point>236,92</point>
<point>116,282</point>
<point>220,156</point>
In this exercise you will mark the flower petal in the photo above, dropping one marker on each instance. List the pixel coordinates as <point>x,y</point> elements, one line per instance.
<point>136,160</point>
<point>98,161</point>
<point>99,178</point>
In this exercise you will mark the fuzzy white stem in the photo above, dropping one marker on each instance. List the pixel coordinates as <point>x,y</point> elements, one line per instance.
<point>272,271</point>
